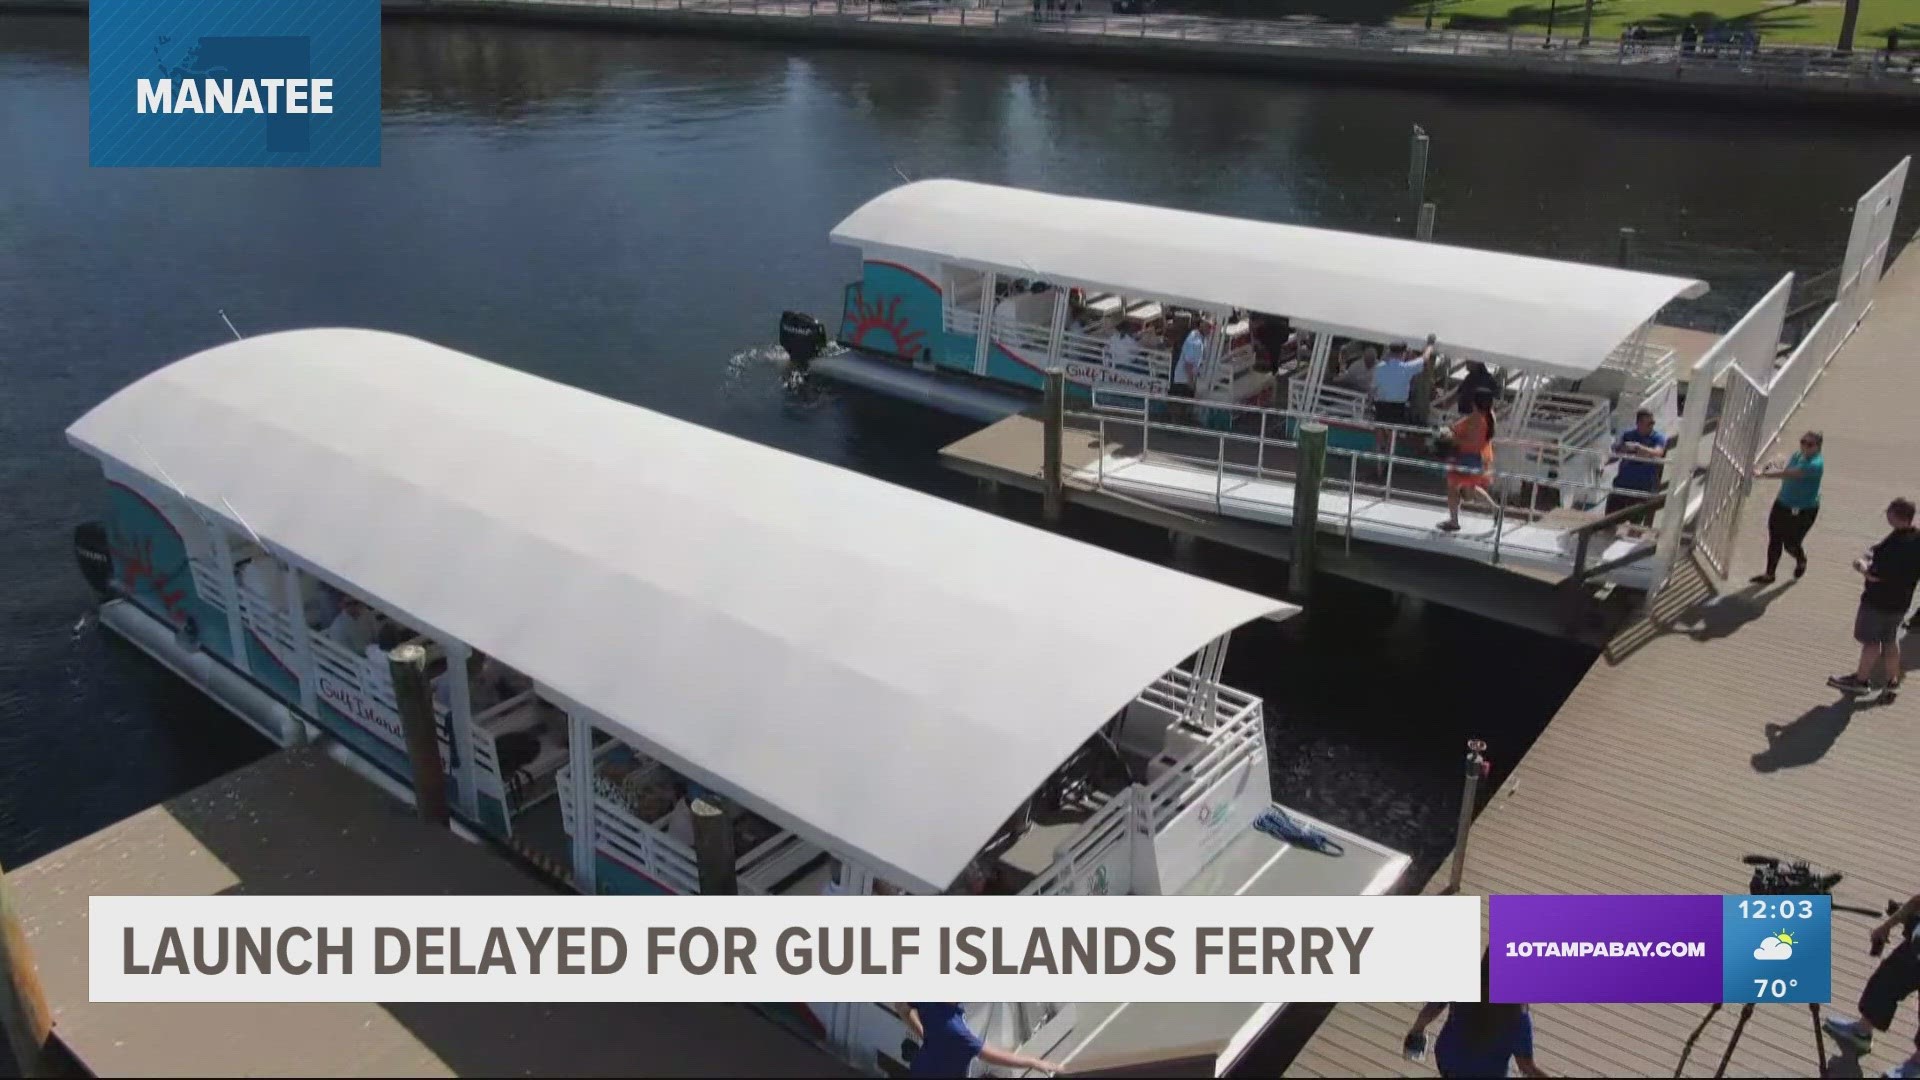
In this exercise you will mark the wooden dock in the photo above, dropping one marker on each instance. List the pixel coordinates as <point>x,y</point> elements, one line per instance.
<point>1705,734</point>
<point>297,822</point>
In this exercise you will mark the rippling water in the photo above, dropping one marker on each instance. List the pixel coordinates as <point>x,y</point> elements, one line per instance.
<point>630,215</point>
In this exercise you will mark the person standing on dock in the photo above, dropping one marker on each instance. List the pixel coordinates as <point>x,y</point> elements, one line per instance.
<point>1480,1038</point>
<point>1897,978</point>
<point>948,1046</point>
<point>1795,507</point>
<point>1892,568</point>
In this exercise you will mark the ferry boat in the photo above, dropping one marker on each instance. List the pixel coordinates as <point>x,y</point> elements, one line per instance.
<point>969,292</point>
<point>887,692</point>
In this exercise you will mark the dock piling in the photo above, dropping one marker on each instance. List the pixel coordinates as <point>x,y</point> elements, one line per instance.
<point>713,845</point>
<point>1476,771</point>
<point>1306,507</point>
<point>1624,256</point>
<point>1423,229</point>
<point>1054,418</point>
<point>414,694</point>
<point>25,1021</point>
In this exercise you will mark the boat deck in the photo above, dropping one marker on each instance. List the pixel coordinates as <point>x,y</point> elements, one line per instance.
<point>1198,1033</point>
<point>297,822</point>
<point>1705,734</point>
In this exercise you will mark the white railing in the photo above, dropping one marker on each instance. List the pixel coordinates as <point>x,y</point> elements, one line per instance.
<point>1025,339</point>
<point>960,320</point>
<point>1225,748</point>
<point>1145,362</point>
<point>651,849</point>
<point>1103,842</point>
<point>1868,247</point>
<point>1330,403</point>
<point>1262,432</point>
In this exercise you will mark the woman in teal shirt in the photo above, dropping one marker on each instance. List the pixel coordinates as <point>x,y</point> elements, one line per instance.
<point>1795,507</point>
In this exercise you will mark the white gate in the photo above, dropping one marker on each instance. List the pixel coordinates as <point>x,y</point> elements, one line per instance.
<point>1729,473</point>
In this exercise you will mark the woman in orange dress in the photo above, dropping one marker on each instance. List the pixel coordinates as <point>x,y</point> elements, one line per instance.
<point>1472,465</point>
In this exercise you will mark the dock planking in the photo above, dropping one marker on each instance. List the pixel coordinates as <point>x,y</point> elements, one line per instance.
<point>299,823</point>
<point>1705,733</point>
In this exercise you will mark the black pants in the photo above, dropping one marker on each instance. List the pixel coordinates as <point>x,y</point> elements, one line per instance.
<point>1619,500</point>
<point>1786,527</point>
<point>1896,977</point>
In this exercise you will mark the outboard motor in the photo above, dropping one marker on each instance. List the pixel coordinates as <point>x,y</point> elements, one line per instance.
<point>95,556</point>
<point>802,336</point>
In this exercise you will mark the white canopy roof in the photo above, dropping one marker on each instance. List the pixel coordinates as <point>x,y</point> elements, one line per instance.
<point>1511,310</point>
<point>868,666</point>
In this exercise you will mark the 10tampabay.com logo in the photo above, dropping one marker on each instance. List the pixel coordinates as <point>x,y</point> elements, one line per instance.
<point>234,82</point>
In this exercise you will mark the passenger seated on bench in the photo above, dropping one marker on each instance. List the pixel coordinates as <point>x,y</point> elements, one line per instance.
<point>1358,373</point>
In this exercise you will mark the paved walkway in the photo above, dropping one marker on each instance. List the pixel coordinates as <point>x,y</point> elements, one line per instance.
<point>1707,734</point>
<point>296,822</point>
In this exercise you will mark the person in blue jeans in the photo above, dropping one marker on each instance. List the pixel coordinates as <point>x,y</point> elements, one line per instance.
<point>948,1046</point>
<point>1479,1038</point>
<point>1795,507</point>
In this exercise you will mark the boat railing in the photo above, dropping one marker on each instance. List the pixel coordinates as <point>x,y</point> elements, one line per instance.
<point>1225,749</point>
<point>1330,402</point>
<point>1025,339</point>
<point>648,848</point>
<point>1098,859</point>
<point>1241,444</point>
<point>1079,347</point>
<point>267,618</point>
<point>960,320</point>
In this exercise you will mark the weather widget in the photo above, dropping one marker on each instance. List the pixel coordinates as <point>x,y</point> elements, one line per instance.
<point>1578,949</point>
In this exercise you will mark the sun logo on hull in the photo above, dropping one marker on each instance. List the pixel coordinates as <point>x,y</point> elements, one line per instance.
<point>135,559</point>
<point>883,316</point>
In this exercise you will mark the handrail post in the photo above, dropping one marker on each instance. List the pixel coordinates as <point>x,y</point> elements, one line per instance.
<point>1053,432</point>
<point>713,847</point>
<point>1353,490</point>
<point>1393,443</point>
<point>1476,770</point>
<point>414,695</point>
<point>1220,475</point>
<point>1306,505</point>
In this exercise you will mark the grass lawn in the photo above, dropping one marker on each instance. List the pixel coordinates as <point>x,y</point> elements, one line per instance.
<point>1779,22</point>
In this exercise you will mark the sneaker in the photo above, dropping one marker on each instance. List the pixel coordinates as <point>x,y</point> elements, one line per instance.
<point>1906,1070</point>
<point>1850,1034</point>
<point>1449,526</point>
<point>1760,579</point>
<point>1890,691</point>
<point>1851,683</point>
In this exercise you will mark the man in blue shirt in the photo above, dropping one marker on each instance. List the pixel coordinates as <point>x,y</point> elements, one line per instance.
<point>1641,451</point>
<point>948,1046</point>
<point>1795,507</point>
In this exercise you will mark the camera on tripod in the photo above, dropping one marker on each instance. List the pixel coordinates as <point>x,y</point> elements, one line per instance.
<point>1777,877</point>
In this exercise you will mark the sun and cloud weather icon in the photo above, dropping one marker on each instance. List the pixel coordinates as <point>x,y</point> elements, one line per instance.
<point>1775,947</point>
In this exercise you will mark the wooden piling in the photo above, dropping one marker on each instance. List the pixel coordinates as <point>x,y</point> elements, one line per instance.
<point>1054,417</point>
<point>414,694</point>
<point>25,1022</point>
<point>1306,507</point>
<point>713,845</point>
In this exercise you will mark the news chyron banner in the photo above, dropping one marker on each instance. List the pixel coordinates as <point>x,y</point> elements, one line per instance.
<point>797,948</point>
<point>234,83</point>
<point>1666,949</point>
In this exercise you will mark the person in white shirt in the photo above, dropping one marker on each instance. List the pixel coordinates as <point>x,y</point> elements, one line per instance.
<point>1123,350</point>
<point>1186,374</point>
<point>354,628</point>
<point>1393,383</point>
